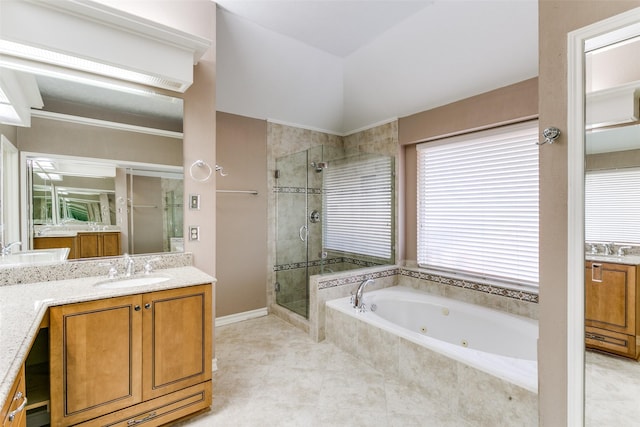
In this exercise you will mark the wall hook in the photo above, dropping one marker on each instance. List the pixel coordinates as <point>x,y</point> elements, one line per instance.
<point>550,135</point>
<point>219,169</point>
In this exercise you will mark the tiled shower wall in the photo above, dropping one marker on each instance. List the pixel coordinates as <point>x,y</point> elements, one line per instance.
<point>283,140</point>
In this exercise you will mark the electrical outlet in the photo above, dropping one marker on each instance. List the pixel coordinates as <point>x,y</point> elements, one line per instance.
<point>194,232</point>
<point>194,201</point>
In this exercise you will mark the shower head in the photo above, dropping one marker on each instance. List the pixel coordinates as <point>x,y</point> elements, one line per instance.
<point>319,166</point>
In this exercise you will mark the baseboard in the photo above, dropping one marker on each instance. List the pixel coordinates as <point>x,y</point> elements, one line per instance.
<point>239,317</point>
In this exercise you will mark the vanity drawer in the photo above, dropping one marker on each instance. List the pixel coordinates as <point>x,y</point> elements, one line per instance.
<point>14,412</point>
<point>601,339</point>
<point>159,411</point>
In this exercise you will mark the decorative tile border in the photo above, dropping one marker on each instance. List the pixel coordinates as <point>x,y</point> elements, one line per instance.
<point>329,261</point>
<point>492,289</point>
<point>521,295</point>
<point>341,281</point>
<point>297,190</point>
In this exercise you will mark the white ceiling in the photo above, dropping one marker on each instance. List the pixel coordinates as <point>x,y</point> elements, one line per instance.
<point>341,66</point>
<point>336,27</point>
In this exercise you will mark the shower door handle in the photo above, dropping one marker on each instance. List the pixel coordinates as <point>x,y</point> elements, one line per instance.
<point>303,233</point>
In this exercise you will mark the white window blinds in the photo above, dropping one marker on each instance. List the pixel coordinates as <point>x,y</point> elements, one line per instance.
<point>357,206</point>
<point>478,204</point>
<point>612,205</point>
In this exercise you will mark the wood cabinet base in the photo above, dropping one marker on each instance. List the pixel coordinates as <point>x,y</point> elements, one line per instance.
<point>612,342</point>
<point>159,411</point>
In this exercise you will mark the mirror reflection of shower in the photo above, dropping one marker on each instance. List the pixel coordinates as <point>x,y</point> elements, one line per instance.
<point>155,220</point>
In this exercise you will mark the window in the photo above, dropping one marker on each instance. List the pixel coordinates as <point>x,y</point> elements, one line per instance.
<point>612,205</point>
<point>478,204</point>
<point>358,206</point>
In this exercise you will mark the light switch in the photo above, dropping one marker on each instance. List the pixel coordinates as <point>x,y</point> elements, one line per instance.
<point>194,201</point>
<point>194,232</point>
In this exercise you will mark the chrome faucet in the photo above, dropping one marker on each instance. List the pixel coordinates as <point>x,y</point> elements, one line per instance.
<point>129,265</point>
<point>357,300</point>
<point>6,249</point>
<point>608,248</point>
<point>622,250</point>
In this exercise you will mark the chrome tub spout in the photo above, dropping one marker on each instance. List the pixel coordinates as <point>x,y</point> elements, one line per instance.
<point>357,299</point>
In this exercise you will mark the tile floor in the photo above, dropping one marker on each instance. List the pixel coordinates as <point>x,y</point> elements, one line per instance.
<point>612,391</point>
<point>272,374</point>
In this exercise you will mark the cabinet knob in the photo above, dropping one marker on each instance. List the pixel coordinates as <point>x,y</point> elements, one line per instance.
<point>147,306</point>
<point>136,308</point>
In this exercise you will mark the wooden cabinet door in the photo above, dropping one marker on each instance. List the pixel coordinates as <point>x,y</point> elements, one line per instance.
<point>610,294</point>
<point>56,242</point>
<point>177,339</point>
<point>89,245</point>
<point>13,412</point>
<point>95,358</point>
<point>111,244</point>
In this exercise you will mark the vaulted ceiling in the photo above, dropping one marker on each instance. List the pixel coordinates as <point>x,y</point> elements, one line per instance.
<point>341,66</point>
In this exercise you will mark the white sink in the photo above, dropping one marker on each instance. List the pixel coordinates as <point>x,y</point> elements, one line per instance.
<point>130,282</point>
<point>36,256</point>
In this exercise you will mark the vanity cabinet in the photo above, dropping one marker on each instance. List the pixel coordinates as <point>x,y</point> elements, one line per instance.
<point>57,242</point>
<point>612,314</point>
<point>13,411</point>
<point>84,244</point>
<point>131,359</point>
<point>91,245</point>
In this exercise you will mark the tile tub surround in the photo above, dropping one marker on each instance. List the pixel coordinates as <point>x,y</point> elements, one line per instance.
<point>337,285</point>
<point>24,306</point>
<point>90,267</point>
<point>479,398</point>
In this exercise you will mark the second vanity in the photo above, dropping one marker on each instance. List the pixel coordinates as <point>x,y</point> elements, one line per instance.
<point>115,355</point>
<point>612,304</point>
<point>82,244</point>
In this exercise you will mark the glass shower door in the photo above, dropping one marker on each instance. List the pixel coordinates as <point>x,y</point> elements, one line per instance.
<point>292,233</point>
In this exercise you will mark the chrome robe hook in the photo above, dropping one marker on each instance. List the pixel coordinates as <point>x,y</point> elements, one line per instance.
<point>550,135</point>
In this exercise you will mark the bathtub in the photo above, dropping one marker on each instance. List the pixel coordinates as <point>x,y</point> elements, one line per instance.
<point>494,342</point>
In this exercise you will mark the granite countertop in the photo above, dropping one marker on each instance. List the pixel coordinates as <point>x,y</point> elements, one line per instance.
<point>24,306</point>
<point>626,259</point>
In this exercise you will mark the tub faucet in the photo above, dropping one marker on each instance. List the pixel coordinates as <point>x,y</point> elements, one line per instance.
<point>129,266</point>
<point>6,249</point>
<point>357,299</point>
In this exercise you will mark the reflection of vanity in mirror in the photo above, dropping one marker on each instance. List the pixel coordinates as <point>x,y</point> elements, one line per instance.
<point>612,229</point>
<point>100,170</point>
<point>612,207</point>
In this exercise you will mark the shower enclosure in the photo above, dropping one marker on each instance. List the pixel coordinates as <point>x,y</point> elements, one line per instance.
<point>334,212</point>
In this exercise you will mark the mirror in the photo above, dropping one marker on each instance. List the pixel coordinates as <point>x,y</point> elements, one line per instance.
<point>100,158</point>
<point>612,230</point>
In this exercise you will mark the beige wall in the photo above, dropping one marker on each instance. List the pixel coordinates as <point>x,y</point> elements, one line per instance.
<point>557,18</point>
<point>613,160</point>
<point>500,106</point>
<point>241,219</point>
<point>11,132</point>
<point>200,132</point>
<point>505,105</point>
<point>72,139</point>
